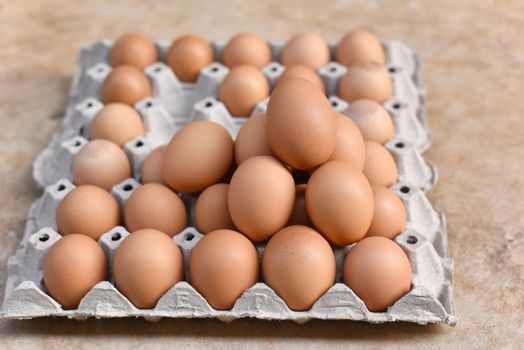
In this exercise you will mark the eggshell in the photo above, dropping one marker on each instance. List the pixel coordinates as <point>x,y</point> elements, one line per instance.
<point>299,214</point>
<point>125,84</point>
<point>301,125</point>
<point>389,214</point>
<point>380,167</point>
<point>198,156</point>
<point>133,49</point>
<point>242,88</point>
<point>188,55</point>
<point>372,119</point>
<point>360,46</point>
<point>305,48</point>
<point>155,206</point>
<point>378,271</point>
<point>304,72</point>
<point>261,197</point>
<point>152,166</point>
<point>146,265</point>
<point>299,265</point>
<point>246,49</point>
<point>339,202</point>
<point>349,145</point>
<point>118,123</point>
<point>366,81</point>
<point>223,264</point>
<point>100,163</point>
<point>88,210</point>
<point>72,266</point>
<point>211,210</point>
<point>252,140</point>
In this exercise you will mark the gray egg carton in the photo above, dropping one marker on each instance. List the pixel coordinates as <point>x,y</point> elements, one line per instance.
<point>175,104</point>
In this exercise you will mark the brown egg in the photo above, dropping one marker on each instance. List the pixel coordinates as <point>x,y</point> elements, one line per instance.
<point>88,210</point>
<point>100,163</point>
<point>73,266</point>
<point>304,72</point>
<point>339,202</point>
<point>378,271</point>
<point>152,166</point>
<point>261,197</point>
<point>305,48</point>
<point>360,46</point>
<point>372,119</point>
<point>155,206</point>
<point>299,214</point>
<point>222,265</point>
<point>118,123</point>
<point>198,156</point>
<point>125,84</point>
<point>301,126</point>
<point>188,55</point>
<point>299,265</point>
<point>251,140</point>
<point>146,265</point>
<point>242,88</point>
<point>349,143</point>
<point>133,49</point>
<point>211,210</point>
<point>246,48</point>
<point>389,214</point>
<point>366,81</point>
<point>380,167</point>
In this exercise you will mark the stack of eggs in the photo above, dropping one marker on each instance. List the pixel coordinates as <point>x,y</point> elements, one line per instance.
<point>299,180</point>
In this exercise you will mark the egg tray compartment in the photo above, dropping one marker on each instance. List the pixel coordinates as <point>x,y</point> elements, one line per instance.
<point>424,240</point>
<point>174,104</point>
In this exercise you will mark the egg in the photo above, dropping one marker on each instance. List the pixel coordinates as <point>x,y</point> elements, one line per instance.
<point>389,214</point>
<point>304,72</point>
<point>360,46</point>
<point>146,265</point>
<point>157,207</point>
<point>378,271</point>
<point>299,265</point>
<point>372,119</point>
<point>299,214</point>
<point>339,202</point>
<point>349,145</point>
<point>199,155</point>
<point>366,81</point>
<point>188,55</point>
<point>252,140</point>
<point>380,167</point>
<point>88,210</point>
<point>261,197</point>
<point>305,48</point>
<point>222,265</point>
<point>301,125</point>
<point>125,84</point>
<point>242,88</point>
<point>152,166</point>
<point>72,266</point>
<point>211,210</point>
<point>133,49</point>
<point>118,123</point>
<point>100,163</point>
<point>246,49</point>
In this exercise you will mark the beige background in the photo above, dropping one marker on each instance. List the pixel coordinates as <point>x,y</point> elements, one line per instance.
<point>474,71</point>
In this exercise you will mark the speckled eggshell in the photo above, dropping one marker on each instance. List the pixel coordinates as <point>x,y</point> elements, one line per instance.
<point>389,214</point>
<point>188,55</point>
<point>349,143</point>
<point>118,123</point>
<point>125,84</point>
<point>372,119</point>
<point>133,49</point>
<point>380,167</point>
<point>306,48</point>
<point>152,166</point>
<point>304,72</point>
<point>246,49</point>
<point>252,140</point>
<point>366,81</point>
<point>360,46</point>
<point>211,209</point>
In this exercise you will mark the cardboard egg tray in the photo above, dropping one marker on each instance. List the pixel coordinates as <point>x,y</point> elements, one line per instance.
<point>175,104</point>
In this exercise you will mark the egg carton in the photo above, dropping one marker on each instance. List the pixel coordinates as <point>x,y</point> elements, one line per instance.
<point>175,103</point>
<point>424,241</point>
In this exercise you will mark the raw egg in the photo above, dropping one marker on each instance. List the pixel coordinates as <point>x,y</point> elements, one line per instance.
<point>125,84</point>
<point>389,214</point>
<point>299,214</point>
<point>222,265</point>
<point>360,46</point>
<point>133,49</point>
<point>246,49</point>
<point>188,55</point>
<point>252,140</point>
<point>304,72</point>
<point>211,210</point>
<point>152,166</point>
<point>380,167</point>
<point>366,81</point>
<point>349,143</point>
<point>118,123</point>
<point>372,119</point>
<point>306,48</point>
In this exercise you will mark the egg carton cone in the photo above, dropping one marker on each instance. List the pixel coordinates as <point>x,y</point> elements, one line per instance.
<point>424,240</point>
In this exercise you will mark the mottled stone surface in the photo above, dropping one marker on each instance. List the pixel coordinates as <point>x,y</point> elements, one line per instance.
<point>474,71</point>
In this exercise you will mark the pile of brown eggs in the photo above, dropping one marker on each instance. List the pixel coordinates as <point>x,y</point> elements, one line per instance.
<point>299,180</point>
